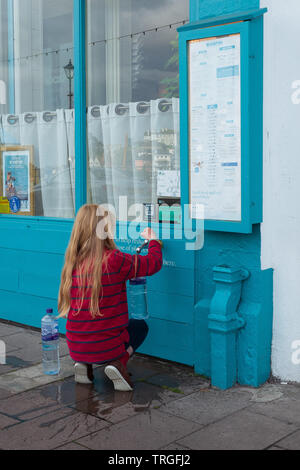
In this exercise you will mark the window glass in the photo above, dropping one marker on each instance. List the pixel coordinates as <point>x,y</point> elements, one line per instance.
<point>37,118</point>
<point>133,101</point>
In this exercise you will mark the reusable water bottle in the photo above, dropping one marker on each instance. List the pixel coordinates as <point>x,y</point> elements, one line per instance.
<point>137,298</point>
<point>137,294</point>
<point>50,342</point>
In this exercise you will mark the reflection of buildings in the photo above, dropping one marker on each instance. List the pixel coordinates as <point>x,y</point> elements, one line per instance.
<point>162,162</point>
<point>155,152</point>
<point>165,136</point>
<point>162,148</point>
<point>137,43</point>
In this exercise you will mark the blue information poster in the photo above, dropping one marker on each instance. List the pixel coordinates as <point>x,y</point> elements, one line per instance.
<point>16,179</point>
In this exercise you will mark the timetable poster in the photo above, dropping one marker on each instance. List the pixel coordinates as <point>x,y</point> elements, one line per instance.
<point>215,127</point>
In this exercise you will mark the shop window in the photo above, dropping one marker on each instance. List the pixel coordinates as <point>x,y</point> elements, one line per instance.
<point>133,101</point>
<point>37,117</point>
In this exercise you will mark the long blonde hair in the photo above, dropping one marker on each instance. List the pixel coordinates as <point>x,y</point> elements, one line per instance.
<point>91,234</point>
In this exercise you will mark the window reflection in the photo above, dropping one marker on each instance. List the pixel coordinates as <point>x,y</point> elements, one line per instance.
<point>133,97</point>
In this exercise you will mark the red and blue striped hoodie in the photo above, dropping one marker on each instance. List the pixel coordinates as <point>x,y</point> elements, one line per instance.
<point>101,340</point>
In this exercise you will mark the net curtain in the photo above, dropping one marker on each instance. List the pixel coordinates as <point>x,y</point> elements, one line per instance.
<point>127,144</point>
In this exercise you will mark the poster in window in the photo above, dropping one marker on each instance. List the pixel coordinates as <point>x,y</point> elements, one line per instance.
<point>215,127</point>
<point>17,180</point>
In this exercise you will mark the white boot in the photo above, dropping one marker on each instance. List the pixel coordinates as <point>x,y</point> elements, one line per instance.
<point>82,375</point>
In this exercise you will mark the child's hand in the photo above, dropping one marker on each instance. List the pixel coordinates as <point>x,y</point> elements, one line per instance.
<point>149,234</point>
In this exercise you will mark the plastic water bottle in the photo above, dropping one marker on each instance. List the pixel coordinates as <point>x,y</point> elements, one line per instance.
<point>137,298</point>
<point>50,341</point>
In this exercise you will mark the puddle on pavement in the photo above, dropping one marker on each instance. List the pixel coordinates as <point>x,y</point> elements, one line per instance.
<point>15,361</point>
<point>101,400</point>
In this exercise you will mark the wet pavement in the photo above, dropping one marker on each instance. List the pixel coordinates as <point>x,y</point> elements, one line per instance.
<point>170,408</point>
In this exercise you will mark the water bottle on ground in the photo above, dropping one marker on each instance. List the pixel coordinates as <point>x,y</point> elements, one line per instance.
<point>50,342</point>
<point>137,298</point>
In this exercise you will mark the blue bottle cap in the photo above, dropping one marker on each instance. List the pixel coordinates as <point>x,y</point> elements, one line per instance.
<point>50,310</point>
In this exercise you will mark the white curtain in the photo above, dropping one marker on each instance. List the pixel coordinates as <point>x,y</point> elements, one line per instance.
<point>29,136</point>
<point>57,192</point>
<point>52,138</point>
<point>128,143</point>
<point>10,130</point>
<point>70,127</point>
<point>98,179</point>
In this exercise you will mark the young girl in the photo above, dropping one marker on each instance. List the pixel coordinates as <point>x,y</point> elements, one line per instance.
<point>93,296</point>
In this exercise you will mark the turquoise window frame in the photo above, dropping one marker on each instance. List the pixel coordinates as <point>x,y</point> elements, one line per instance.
<point>80,103</point>
<point>249,26</point>
<point>79,22</point>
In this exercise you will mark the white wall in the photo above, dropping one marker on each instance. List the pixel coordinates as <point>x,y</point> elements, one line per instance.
<point>281,227</point>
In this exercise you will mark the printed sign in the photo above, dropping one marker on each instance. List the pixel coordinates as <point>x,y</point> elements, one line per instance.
<point>168,183</point>
<point>215,126</point>
<point>17,180</point>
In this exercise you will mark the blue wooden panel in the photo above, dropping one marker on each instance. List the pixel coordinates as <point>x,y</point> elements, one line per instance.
<point>42,263</point>
<point>38,284</point>
<point>169,340</point>
<point>25,309</point>
<point>173,281</point>
<point>174,252</point>
<point>9,259</point>
<point>174,307</point>
<point>47,241</point>
<point>9,279</point>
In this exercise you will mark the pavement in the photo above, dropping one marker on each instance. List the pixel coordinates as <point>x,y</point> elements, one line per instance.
<point>170,409</point>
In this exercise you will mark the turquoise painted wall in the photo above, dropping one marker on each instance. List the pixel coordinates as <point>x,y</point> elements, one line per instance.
<point>180,296</point>
<point>200,9</point>
<point>236,251</point>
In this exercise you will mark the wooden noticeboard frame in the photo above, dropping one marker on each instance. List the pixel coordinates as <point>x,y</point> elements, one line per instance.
<point>16,161</point>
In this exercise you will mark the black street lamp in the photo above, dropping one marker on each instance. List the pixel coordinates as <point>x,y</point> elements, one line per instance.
<point>69,71</point>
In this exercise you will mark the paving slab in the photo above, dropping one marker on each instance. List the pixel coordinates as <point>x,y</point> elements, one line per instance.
<point>242,430</point>
<point>49,431</point>
<point>284,409</point>
<point>71,446</point>
<point>7,330</point>
<point>144,431</point>
<point>4,394</point>
<point>28,405</point>
<point>32,377</point>
<point>291,442</point>
<point>6,421</point>
<point>175,446</point>
<point>116,406</point>
<point>275,448</point>
<point>208,405</point>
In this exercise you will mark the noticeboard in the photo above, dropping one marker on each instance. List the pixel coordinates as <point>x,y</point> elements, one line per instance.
<point>215,127</point>
<point>221,115</point>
